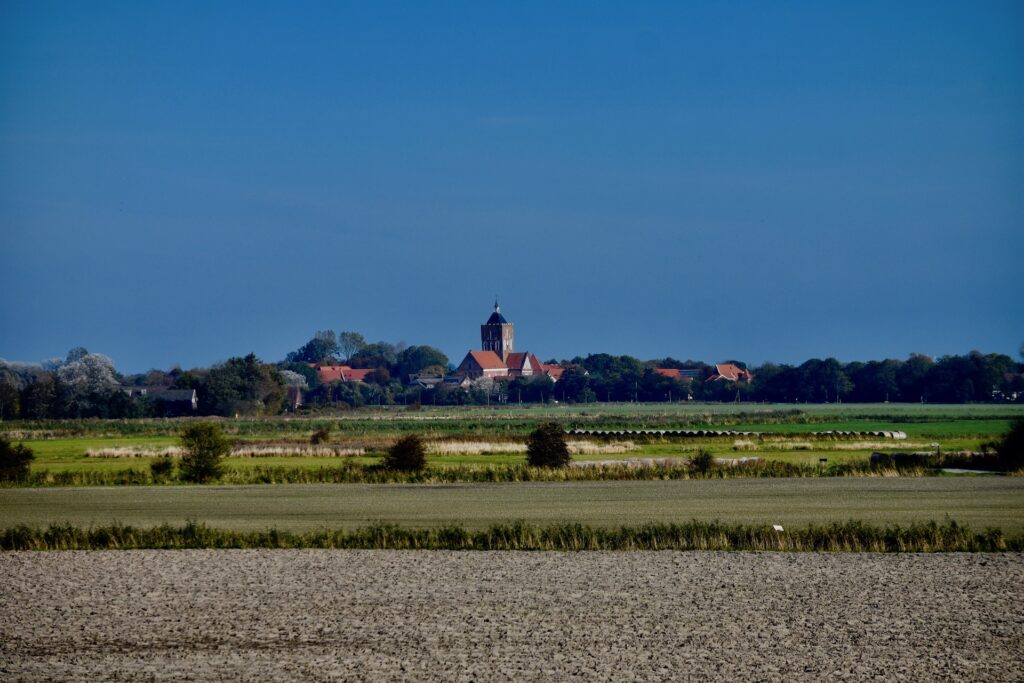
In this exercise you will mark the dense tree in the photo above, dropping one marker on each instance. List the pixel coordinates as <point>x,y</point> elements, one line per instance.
<point>323,347</point>
<point>574,386</point>
<point>88,386</point>
<point>205,448</point>
<point>76,354</point>
<point>10,393</point>
<point>415,359</point>
<point>546,446</point>
<point>376,355</point>
<point>614,378</point>
<point>311,376</point>
<point>14,460</point>
<point>243,386</point>
<point>39,397</point>
<point>408,454</point>
<point>1010,448</point>
<point>350,343</point>
<point>535,389</point>
<point>293,379</point>
<point>912,377</point>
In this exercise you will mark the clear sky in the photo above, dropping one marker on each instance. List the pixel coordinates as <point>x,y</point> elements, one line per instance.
<point>181,182</point>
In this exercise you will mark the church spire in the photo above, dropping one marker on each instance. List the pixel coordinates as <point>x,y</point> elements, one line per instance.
<point>496,334</point>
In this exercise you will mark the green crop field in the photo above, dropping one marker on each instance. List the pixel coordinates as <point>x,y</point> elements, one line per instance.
<point>977,501</point>
<point>63,445</point>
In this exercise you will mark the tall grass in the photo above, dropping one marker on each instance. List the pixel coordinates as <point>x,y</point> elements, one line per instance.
<point>353,473</point>
<point>849,536</point>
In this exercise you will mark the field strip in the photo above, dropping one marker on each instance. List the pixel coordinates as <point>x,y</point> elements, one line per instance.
<point>500,616</point>
<point>976,501</point>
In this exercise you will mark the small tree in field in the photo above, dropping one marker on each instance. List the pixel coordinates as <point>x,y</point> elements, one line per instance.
<point>1011,447</point>
<point>14,461</point>
<point>205,447</point>
<point>408,453</point>
<point>546,446</point>
<point>703,461</point>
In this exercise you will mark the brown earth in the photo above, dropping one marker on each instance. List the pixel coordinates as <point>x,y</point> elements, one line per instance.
<point>475,616</point>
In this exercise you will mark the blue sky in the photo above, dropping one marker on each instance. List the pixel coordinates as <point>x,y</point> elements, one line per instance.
<point>182,182</point>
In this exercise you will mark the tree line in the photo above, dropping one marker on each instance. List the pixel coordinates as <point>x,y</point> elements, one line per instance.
<point>85,384</point>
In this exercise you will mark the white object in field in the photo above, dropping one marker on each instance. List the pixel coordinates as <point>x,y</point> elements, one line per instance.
<point>777,527</point>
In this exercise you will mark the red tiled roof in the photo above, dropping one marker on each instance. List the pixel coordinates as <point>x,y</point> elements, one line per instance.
<point>731,372</point>
<point>536,364</point>
<point>487,360</point>
<point>332,373</point>
<point>352,375</point>
<point>341,373</point>
<point>515,361</point>
<point>669,372</point>
<point>553,371</point>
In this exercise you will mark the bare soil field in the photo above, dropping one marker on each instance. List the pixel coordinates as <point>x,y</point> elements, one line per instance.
<point>428,615</point>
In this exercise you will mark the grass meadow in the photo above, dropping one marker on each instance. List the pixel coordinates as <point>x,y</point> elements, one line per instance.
<point>63,446</point>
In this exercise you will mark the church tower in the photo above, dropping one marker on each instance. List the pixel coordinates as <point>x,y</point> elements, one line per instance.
<point>496,334</point>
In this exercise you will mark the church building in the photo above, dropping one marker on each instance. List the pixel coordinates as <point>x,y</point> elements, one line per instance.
<point>497,357</point>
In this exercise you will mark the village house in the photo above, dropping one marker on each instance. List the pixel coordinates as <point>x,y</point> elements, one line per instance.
<point>729,372</point>
<point>339,373</point>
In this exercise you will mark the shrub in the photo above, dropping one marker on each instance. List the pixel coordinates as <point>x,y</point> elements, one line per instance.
<point>546,446</point>
<point>162,468</point>
<point>408,454</point>
<point>205,447</point>
<point>703,461</point>
<point>320,436</point>
<point>14,461</point>
<point>1011,447</point>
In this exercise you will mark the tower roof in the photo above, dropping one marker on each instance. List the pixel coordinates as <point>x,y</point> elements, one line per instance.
<point>496,318</point>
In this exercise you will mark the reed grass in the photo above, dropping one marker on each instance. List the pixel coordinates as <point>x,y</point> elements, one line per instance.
<point>851,536</point>
<point>354,473</point>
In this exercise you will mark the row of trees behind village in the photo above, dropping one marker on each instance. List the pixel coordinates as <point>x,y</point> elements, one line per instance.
<point>87,384</point>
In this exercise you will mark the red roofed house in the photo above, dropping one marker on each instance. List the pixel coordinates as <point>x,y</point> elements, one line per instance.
<point>553,371</point>
<point>478,364</point>
<point>523,364</point>
<point>331,373</point>
<point>671,373</point>
<point>341,373</point>
<point>730,373</point>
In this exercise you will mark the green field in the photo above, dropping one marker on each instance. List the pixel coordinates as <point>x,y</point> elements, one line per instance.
<point>977,501</point>
<point>62,445</point>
